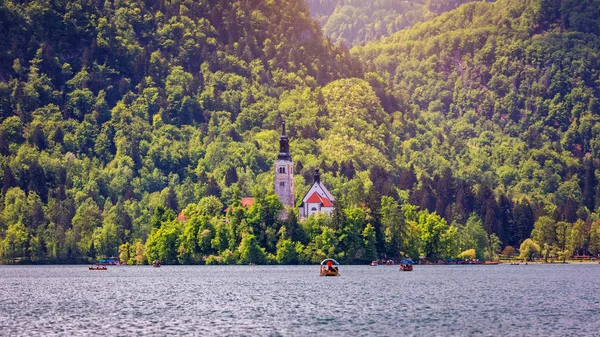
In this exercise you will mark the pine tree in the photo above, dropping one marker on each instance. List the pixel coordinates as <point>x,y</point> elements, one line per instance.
<point>171,200</point>
<point>38,138</point>
<point>58,136</point>
<point>408,178</point>
<point>4,142</point>
<point>445,191</point>
<point>505,219</point>
<point>569,210</point>
<point>524,220</point>
<point>490,223</point>
<point>8,180</point>
<point>231,176</point>
<point>589,184</point>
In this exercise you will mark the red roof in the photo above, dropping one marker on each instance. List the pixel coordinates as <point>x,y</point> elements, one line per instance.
<point>247,202</point>
<point>181,217</point>
<point>316,198</point>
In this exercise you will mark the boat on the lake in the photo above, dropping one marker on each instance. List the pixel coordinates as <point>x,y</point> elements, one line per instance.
<point>374,263</point>
<point>97,267</point>
<point>156,263</point>
<point>330,267</point>
<point>406,265</point>
<point>107,262</point>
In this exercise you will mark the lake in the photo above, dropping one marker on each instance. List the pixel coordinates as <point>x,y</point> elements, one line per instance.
<point>524,300</point>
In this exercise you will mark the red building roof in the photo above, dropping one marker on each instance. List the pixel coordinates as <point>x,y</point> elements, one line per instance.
<point>315,198</point>
<point>247,202</point>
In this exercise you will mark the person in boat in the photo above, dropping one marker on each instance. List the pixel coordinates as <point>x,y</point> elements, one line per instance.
<point>329,265</point>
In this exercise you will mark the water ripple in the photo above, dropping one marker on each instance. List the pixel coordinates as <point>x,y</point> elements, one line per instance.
<point>535,300</point>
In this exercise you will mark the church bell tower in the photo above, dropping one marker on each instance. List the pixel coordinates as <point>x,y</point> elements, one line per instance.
<point>284,171</point>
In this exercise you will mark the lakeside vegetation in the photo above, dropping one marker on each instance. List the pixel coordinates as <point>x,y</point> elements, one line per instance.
<point>463,135</point>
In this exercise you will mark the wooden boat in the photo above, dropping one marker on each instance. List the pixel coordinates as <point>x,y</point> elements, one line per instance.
<point>374,263</point>
<point>330,267</point>
<point>491,262</point>
<point>156,263</point>
<point>406,265</point>
<point>97,267</point>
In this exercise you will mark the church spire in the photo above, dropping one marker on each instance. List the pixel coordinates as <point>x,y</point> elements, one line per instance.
<point>284,145</point>
<point>317,176</point>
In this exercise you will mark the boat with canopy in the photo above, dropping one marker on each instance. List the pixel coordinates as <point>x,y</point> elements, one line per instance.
<point>406,265</point>
<point>330,267</point>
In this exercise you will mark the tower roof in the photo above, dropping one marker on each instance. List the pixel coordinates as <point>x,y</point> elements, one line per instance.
<point>284,145</point>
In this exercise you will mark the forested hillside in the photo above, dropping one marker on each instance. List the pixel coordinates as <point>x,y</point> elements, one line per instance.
<point>356,22</point>
<point>505,96</point>
<point>467,133</point>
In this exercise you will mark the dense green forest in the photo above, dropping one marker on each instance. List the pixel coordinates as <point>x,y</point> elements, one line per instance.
<point>467,134</point>
<point>356,22</point>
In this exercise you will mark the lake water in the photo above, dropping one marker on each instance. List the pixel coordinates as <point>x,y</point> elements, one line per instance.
<point>532,300</point>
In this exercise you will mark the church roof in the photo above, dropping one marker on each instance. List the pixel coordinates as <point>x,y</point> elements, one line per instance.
<point>326,191</point>
<point>284,145</point>
<point>314,198</point>
<point>327,202</point>
<point>318,193</point>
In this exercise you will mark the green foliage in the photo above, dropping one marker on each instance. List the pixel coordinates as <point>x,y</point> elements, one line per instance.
<point>472,130</point>
<point>251,252</point>
<point>286,252</point>
<point>529,249</point>
<point>473,236</point>
<point>355,22</point>
<point>14,244</point>
<point>435,234</point>
<point>163,243</point>
<point>370,242</point>
<point>468,254</point>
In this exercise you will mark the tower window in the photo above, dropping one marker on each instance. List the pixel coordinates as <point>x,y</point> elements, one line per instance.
<point>282,169</point>
<point>282,183</point>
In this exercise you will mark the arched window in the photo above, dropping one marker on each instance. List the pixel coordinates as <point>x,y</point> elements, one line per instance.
<point>313,209</point>
<point>282,169</point>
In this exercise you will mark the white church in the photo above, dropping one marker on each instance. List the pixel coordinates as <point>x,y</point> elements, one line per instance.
<point>318,198</point>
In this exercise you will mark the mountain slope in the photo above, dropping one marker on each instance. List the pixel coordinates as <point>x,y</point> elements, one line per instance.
<point>505,95</point>
<point>124,106</point>
<point>356,22</point>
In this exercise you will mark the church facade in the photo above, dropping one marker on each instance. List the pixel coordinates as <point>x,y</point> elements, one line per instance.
<point>318,198</point>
